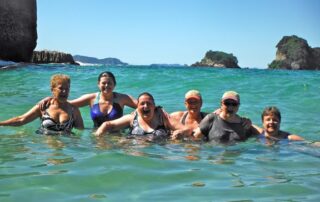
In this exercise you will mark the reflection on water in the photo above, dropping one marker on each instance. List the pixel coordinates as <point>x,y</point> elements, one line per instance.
<point>104,165</point>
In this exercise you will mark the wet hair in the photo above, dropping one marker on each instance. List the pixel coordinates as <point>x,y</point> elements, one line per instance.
<point>59,78</point>
<point>147,94</point>
<point>271,110</point>
<point>107,74</point>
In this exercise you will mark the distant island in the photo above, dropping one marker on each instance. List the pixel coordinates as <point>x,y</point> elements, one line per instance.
<point>92,60</point>
<point>18,39</point>
<point>217,59</point>
<point>294,52</point>
<point>168,65</point>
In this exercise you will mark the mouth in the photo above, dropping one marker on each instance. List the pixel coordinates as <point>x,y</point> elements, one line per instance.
<point>272,127</point>
<point>146,111</point>
<point>230,111</point>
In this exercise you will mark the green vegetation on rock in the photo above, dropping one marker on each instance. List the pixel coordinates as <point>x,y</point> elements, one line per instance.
<point>218,59</point>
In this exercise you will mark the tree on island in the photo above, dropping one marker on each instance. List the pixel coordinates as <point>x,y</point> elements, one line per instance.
<point>294,52</point>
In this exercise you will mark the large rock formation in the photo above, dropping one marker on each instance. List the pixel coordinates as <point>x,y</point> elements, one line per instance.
<point>18,29</point>
<point>218,59</point>
<point>295,53</point>
<point>43,57</point>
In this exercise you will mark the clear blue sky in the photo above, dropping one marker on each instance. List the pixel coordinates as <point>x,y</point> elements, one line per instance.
<point>175,31</point>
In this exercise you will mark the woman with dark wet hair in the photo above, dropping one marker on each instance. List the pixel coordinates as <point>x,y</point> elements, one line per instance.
<point>147,120</point>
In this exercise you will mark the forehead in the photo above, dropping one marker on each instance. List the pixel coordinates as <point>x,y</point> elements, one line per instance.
<point>61,82</point>
<point>145,98</point>
<point>271,115</point>
<point>106,78</point>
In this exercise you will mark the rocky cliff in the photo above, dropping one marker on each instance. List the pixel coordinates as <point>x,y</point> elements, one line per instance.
<point>294,53</point>
<point>18,29</point>
<point>43,57</point>
<point>218,59</point>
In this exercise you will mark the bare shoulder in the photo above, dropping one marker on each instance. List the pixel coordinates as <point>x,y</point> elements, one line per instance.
<point>84,97</point>
<point>176,115</point>
<point>121,96</point>
<point>125,99</point>
<point>90,95</point>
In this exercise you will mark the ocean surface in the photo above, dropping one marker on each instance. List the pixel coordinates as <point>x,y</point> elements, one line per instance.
<point>85,168</point>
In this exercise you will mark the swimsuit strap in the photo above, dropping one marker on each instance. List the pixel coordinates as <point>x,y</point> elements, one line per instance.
<point>96,101</point>
<point>183,120</point>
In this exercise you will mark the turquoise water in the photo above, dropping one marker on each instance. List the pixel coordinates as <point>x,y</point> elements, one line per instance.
<point>84,168</point>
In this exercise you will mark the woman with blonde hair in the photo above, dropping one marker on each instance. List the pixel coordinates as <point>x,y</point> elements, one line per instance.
<point>60,117</point>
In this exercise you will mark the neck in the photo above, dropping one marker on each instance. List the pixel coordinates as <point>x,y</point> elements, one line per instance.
<point>59,103</point>
<point>194,115</point>
<point>273,134</point>
<point>106,96</point>
<point>228,117</point>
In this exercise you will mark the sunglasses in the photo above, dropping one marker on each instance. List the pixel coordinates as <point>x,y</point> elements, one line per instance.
<point>234,104</point>
<point>193,102</point>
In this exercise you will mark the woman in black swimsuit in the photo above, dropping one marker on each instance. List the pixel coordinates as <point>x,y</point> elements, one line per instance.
<point>146,120</point>
<point>60,117</point>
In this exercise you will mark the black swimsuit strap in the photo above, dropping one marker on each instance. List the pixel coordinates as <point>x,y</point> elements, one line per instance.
<point>183,120</point>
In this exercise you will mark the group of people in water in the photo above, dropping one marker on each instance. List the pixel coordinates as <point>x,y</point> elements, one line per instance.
<point>59,115</point>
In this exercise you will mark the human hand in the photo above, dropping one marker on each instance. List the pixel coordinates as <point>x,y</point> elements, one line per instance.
<point>246,122</point>
<point>217,111</point>
<point>176,134</point>
<point>44,103</point>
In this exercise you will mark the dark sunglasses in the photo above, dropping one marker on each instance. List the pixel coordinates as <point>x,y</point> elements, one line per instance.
<point>192,102</point>
<point>234,104</point>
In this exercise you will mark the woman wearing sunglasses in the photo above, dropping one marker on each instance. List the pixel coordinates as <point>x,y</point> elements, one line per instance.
<point>227,126</point>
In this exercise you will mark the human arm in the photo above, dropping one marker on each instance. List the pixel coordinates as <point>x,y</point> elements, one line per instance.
<point>294,137</point>
<point>205,127</point>
<point>180,129</point>
<point>197,135</point>
<point>78,121</point>
<point>83,100</point>
<point>116,124</point>
<point>127,100</point>
<point>29,116</point>
<point>45,103</point>
<point>257,128</point>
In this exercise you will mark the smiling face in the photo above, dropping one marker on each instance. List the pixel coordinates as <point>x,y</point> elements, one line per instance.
<point>146,107</point>
<point>271,124</point>
<point>61,90</point>
<point>193,105</point>
<point>60,87</point>
<point>106,84</point>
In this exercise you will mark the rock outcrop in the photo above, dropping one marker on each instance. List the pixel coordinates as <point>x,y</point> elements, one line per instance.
<point>44,57</point>
<point>18,29</point>
<point>295,53</point>
<point>218,59</point>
